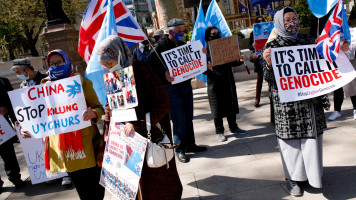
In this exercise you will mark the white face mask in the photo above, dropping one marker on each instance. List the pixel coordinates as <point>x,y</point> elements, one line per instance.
<point>23,77</point>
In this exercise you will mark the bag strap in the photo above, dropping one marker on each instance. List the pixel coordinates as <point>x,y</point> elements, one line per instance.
<point>148,125</point>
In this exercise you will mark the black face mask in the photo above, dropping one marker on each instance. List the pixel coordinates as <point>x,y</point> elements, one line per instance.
<point>216,35</point>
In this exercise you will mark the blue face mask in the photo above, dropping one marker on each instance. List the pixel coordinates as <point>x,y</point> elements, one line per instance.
<point>178,36</point>
<point>60,71</point>
<point>23,77</point>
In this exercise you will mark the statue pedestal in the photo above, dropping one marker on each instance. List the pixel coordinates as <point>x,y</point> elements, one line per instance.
<point>64,36</point>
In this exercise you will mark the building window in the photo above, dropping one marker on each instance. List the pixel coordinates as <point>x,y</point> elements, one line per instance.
<point>226,4</point>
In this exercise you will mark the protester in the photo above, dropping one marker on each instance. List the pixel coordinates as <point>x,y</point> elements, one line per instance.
<point>141,51</point>
<point>156,183</point>
<point>7,151</point>
<point>338,100</point>
<point>25,72</point>
<point>31,77</point>
<point>158,34</point>
<point>222,91</point>
<point>180,95</point>
<point>339,93</point>
<point>256,61</point>
<point>83,170</point>
<point>299,124</point>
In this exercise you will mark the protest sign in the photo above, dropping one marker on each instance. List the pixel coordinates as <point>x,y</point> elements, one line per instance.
<point>123,161</point>
<point>51,108</point>
<point>6,131</point>
<point>185,62</point>
<point>301,73</point>
<point>353,42</point>
<point>33,150</point>
<point>224,50</point>
<point>261,32</point>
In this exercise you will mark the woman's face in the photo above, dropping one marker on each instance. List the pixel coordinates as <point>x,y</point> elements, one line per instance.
<point>291,22</point>
<point>109,64</point>
<point>56,60</point>
<point>214,34</point>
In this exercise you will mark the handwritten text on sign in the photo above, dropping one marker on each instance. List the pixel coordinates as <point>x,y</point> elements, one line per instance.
<point>185,62</point>
<point>301,73</point>
<point>6,131</point>
<point>51,108</point>
<point>33,150</point>
<point>224,50</point>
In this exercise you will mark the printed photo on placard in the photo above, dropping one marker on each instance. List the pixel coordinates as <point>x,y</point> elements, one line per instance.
<point>121,89</point>
<point>261,32</point>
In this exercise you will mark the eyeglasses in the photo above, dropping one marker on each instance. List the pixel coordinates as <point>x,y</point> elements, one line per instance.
<point>58,63</point>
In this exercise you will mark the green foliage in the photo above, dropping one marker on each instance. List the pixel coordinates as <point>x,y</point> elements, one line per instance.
<point>22,21</point>
<point>238,33</point>
<point>304,13</point>
<point>188,36</point>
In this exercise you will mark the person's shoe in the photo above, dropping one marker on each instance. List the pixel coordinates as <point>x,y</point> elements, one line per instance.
<point>238,131</point>
<point>182,157</point>
<point>355,114</point>
<point>18,183</point>
<point>221,137</point>
<point>334,116</point>
<point>66,181</point>
<point>195,148</point>
<point>257,103</point>
<point>293,188</point>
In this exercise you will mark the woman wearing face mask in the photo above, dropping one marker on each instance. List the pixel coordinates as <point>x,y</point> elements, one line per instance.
<point>83,170</point>
<point>156,183</point>
<point>222,91</point>
<point>299,124</point>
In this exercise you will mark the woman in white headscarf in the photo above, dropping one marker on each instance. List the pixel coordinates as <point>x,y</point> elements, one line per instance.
<point>299,124</point>
<point>156,183</point>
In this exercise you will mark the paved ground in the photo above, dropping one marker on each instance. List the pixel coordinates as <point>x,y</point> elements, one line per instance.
<point>244,167</point>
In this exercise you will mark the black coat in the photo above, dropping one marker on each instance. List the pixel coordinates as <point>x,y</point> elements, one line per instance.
<point>222,90</point>
<point>5,86</point>
<point>157,63</point>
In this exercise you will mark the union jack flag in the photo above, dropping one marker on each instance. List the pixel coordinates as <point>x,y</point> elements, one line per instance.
<point>335,31</point>
<point>127,27</point>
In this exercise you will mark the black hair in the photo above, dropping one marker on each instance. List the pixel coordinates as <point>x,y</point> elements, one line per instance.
<point>208,31</point>
<point>260,16</point>
<point>288,9</point>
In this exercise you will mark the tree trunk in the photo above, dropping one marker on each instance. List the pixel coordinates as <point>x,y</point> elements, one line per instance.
<point>11,53</point>
<point>168,10</point>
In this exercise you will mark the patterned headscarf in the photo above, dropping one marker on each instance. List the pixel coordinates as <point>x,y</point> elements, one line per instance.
<point>279,23</point>
<point>113,48</point>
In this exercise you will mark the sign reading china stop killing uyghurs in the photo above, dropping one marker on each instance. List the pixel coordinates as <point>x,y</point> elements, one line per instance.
<point>51,108</point>
<point>185,62</point>
<point>301,73</point>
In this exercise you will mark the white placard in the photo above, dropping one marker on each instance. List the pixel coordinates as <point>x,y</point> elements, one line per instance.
<point>6,131</point>
<point>33,150</point>
<point>301,73</point>
<point>185,62</point>
<point>51,108</point>
<point>353,42</point>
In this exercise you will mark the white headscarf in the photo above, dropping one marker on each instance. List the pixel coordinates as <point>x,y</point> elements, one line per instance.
<point>279,24</point>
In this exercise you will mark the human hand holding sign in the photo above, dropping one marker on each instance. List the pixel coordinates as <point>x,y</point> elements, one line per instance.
<point>128,129</point>
<point>345,46</point>
<point>168,77</point>
<point>267,57</point>
<point>89,114</point>
<point>3,110</point>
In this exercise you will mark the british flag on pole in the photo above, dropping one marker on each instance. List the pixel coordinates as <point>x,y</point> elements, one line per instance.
<point>127,27</point>
<point>335,31</point>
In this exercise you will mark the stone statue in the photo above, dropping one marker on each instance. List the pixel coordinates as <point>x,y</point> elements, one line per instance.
<point>55,13</point>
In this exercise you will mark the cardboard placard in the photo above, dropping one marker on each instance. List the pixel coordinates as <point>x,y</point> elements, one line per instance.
<point>51,108</point>
<point>301,73</point>
<point>224,50</point>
